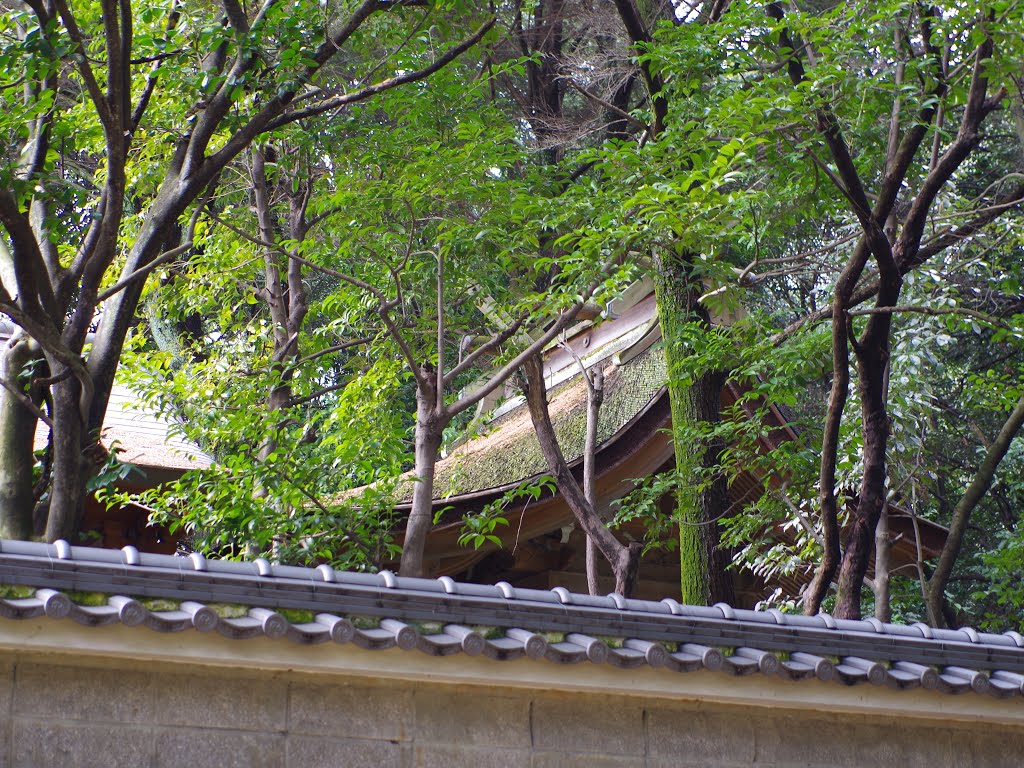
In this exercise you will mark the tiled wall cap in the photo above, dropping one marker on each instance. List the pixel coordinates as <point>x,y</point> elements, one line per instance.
<point>204,618</point>
<point>929,679</point>
<point>406,636</point>
<point>874,670</point>
<point>596,650</point>
<point>827,620</point>
<point>130,555</point>
<point>779,616</point>
<point>1010,677</point>
<point>618,600</point>
<point>767,663</point>
<point>507,590</point>
<point>927,676</point>
<point>326,573</point>
<point>673,606</point>
<point>263,567</point>
<point>130,612</point>
<point>824,669</point>
<point>63,549</point>
<point>449,585</point>
<point>875,625</point>
<point>924,629</point>
<point>564,595</point>
<point>726,609</point>
<point>389,579</point>
<point>342,630</point>
<point>535,646</point>
<point>56,604</point>
<point>473,643</point>
<point>710,658</point>
<point>198,561</point>
<point>654,653</point>
<point>971,633</point>
<point>978,681</point>
<point>274,624</point>
<point>1016,637</point>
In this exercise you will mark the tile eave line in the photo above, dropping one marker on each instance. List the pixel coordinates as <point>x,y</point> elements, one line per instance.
<point>414,605</point>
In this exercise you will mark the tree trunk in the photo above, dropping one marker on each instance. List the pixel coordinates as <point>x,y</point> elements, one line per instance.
<point>700,501</point>
<point>595,397</point>
<point>71,467</point>
<point>936,585</point>
<point>17,430</point>
<point>883,547</point>
<point>872,352</point>
<point>624,559</point>
<point>429,430</point>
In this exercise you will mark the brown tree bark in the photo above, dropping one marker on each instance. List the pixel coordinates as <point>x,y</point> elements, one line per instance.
<point>936,585</point>
<point>624,559</point>
<point>17,429</point>
<point>894,249</point>
<point>595,397</point>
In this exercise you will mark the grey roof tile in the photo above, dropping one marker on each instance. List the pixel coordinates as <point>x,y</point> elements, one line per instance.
<point>654,654</point>
<point>441,617</point>
<point>534,646</point>
<point>740,665</point>
<point>767,662</point>
<point>822,668</point>
<point>625,658</point>
<point>691,657</point>
<point>853,669</point>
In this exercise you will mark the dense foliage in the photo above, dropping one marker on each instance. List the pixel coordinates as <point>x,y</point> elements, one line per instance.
<point>347,216</point>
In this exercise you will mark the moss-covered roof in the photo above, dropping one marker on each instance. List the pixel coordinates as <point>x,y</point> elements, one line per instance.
<point>509,452</point>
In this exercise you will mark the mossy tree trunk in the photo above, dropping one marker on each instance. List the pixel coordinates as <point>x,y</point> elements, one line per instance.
<point>702,496</point>
<point>17,429</point>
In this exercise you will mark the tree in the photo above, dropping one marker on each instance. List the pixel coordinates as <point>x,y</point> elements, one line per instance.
<point>894,241</point>
<point>896,140</point>
<point>623,558</point>
<point>196,85</point>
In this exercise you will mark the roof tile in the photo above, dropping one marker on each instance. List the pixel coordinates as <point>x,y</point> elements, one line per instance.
<point>378,611</point>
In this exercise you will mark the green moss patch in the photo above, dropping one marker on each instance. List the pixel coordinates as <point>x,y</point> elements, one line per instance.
<point>489,633</point>
<point>88,599</point>
<point>16,591</point>
<point>158,604</point>
<point>510,453</point>
<point>429,627</point>
<point>297,615</point>
<point>229,610</point>
<point>553,637</point>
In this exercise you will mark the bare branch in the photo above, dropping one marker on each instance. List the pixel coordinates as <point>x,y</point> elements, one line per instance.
<point>329,351</point>
<point>384,308</point>
<point>490,345</point>
<point>236,17</point>
<point>366,92</point>
<point>937,312</point>
<point>299,400</point>
<point>151,80</point>
<point>439,373</point>
<point>26,401</point>
<point>638,124</point>
<point>640,37</point>
<point>82,62</point>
